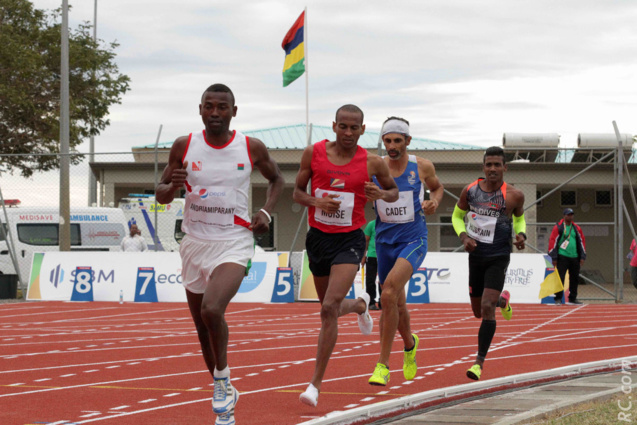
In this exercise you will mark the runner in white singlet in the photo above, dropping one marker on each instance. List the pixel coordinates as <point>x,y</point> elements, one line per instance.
<point>215,165</point>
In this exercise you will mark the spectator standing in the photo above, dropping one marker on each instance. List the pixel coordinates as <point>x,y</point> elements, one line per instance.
<point>567,248</point>
<point>632,256</point>
<point>134,242</point>
<point>371,264</point>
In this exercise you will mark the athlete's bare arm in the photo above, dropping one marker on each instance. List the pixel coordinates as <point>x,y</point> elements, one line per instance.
<point>427,173</point>
<point>300,195</point>
<point>269,169</point>
<point>377,167</point>
<point>469,243</point>
<point>174,174</point>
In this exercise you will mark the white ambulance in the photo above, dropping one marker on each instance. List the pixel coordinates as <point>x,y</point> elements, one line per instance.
<point>35,229</point>
<point>140,209</point>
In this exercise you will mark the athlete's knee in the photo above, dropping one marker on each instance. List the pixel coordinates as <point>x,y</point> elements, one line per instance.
<point>211,313</point>
<point>389,295</point>
<point>487,311</point>
<point>329,310</point>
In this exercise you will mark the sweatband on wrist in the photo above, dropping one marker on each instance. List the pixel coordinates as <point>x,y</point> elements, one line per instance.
<point>267,215</point>
<point>519,224</point>
<point>457,219</point>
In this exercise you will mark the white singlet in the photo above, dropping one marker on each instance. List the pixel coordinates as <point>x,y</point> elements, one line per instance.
<point>217,187</point>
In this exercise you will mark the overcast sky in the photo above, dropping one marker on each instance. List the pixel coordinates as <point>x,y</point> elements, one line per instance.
<point>459,71</point>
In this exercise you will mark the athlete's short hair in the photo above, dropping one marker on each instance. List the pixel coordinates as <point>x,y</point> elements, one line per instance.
<point>219,88</point>
<point>397,118</point>
<point>350,108</point>
<point>494,151</point>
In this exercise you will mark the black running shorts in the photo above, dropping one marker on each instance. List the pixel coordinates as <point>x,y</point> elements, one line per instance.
<point>487,272</point>
<point>327,249</point>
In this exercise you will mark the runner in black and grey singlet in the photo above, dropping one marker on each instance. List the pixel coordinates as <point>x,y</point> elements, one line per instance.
<point>487,221</point>
<point>489,204</point>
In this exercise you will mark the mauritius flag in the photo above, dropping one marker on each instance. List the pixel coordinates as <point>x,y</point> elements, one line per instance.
<point>293,44</point>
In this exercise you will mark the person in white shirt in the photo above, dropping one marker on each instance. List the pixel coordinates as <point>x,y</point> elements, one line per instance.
<point>134,242</point>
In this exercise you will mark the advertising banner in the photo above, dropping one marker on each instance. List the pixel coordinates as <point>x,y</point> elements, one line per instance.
<point>443,277</point>
<point>140,276</point>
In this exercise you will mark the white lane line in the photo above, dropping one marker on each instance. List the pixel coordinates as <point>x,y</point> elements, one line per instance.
<point>147,400</point>
<point>171,394</point>
<point>351,406</point>
<point>119,408</point>
<point>42,380</point>
<point>90,415</point>
<point>67,375</point>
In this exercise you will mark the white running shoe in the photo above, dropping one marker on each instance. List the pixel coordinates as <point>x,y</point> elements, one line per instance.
<point>365,321</point>
<point>225,396</point>
<point>225,418</point>
<point>310,396</point>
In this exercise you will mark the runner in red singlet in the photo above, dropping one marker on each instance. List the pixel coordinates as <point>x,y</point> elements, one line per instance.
<point>341,173</point>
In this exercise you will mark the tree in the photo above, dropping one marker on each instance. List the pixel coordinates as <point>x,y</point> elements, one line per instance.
<point>30,50</point>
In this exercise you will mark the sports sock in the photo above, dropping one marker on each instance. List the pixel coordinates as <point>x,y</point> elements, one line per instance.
<point>485,336</point>
<point>225,373</point>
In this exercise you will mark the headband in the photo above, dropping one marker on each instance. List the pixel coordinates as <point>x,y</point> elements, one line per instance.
<point>396,126</point>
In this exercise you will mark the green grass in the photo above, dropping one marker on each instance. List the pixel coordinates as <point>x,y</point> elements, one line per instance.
<point>601,412</point>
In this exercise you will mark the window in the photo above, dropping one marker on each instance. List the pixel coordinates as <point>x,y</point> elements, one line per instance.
<point>568,198</point>
<point>6,232</point>
<point>46,234</point>
<point>538,195</point>
<point>603,198</point>
<point>448,238</point>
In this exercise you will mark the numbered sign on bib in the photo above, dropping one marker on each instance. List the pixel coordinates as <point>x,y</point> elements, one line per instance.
<point>145,289</point>
<point>418,288</point>
<point>283,286</point>
<point>83,284</point>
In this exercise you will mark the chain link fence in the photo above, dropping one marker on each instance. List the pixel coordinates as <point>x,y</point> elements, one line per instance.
<point>587,182</point>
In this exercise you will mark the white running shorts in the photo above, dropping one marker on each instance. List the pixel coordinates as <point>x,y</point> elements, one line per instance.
<point>200,257</point>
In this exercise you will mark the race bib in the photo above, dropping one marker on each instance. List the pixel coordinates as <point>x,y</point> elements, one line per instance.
<point>400,211</point>
<point>342,217</point>
<point>481,227</point>
<point>212,206</point>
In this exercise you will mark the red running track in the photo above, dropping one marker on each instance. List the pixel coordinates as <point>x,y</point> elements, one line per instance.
<point>77,363</point>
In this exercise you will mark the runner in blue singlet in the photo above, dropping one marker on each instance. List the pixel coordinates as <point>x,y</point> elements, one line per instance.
<point>401,243</point>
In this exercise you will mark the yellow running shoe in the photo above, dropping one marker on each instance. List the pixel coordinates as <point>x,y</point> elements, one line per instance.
<point>474,372</point>
<point>409,360</point>
<point>380,375</point>
<point>507,311</point>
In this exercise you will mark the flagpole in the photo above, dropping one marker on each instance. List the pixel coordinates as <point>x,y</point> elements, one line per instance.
<point>307,78</point>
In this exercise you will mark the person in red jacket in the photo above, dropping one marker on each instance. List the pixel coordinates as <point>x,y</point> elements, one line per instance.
<point>567,248</point>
